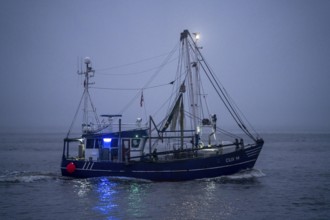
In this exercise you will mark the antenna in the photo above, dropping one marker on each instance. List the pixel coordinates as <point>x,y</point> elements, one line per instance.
<point>81,65</point>
<point>88,73</point>
<point>77,64</point>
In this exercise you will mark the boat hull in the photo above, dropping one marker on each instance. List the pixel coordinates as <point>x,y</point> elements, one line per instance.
<point>177,170</point>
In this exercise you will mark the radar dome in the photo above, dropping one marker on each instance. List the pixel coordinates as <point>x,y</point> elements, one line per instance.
<point>87,60</point>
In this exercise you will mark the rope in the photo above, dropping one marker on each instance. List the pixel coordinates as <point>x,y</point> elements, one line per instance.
<point>132,63</point>
<point>220,91</point>
<point>135,73</point>
<point>144,88</point>
<point>151,79</point>
<point>75,116</point>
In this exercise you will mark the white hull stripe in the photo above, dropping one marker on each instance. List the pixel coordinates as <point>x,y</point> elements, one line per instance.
<point>87,166</point>
<point>253,152</point>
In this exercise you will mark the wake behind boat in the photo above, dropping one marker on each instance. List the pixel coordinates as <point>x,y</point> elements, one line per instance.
<point>187,144</point>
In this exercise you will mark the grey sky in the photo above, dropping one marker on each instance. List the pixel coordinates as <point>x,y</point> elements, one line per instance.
<point>273,57</point>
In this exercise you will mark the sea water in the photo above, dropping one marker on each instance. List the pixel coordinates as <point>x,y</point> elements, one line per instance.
<point>291,180</point>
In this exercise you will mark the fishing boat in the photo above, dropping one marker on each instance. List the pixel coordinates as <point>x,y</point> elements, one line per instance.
<point>189,143</point>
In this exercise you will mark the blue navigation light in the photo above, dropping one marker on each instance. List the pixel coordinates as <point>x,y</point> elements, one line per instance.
<point>106,140</point>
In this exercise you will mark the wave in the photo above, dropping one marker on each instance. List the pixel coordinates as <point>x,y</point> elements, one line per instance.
<point>245,176</point>
<point>27,176</point>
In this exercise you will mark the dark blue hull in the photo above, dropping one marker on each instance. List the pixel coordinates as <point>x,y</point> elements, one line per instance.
<point>176,170</point>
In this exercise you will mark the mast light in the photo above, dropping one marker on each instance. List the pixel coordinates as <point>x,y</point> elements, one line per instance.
<point>197,36</point>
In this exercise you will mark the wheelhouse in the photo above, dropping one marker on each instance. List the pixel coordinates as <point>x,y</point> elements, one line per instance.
<point>113,147</point>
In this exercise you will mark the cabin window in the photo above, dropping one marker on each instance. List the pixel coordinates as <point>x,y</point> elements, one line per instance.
<point>98,143</point>
<point>114,149</point>
<point>136,142</point>
<point>114,143</point>
<point>126,143</point>
<point>89,143</point>
<point>93,143</point>
<point>126,148</point>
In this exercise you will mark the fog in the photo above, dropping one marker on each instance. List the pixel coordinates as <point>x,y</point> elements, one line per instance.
<point>273,57</point>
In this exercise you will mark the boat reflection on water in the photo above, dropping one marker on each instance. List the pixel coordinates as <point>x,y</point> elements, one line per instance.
<point>137,194</point>
<point>118,198</point>
<point>82,187</point>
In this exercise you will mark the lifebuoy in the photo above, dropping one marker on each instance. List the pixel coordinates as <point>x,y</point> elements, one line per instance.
<point>71,167</point>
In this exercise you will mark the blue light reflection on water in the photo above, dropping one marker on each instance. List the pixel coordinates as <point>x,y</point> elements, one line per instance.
<point>110,198</point>
<point>106,191</point>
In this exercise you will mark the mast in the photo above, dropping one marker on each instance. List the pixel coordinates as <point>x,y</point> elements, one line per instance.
<point>191,65</point>
<point>196,78</point>
<point>88,73</point>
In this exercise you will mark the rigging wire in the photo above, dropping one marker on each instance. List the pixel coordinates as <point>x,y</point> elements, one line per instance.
<point>228,105</point>
<point>220,92</point>
<point>144,88</point>
<point>136,73</point>
<point>178,76</point>
<point>132,63</point>
<point>168,100</point>
<point>181,74</point>
<point>151,79</point>
<point>75,115</point>
<point>241,113</point>
<point>232,106</point>
<point>236,106</point>
<point>218,130</point>
<point>175,91</point>
<point>93,108</point>
<point>204,97</point>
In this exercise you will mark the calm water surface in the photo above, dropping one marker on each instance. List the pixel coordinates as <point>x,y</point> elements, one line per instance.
<point>291,180</point>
